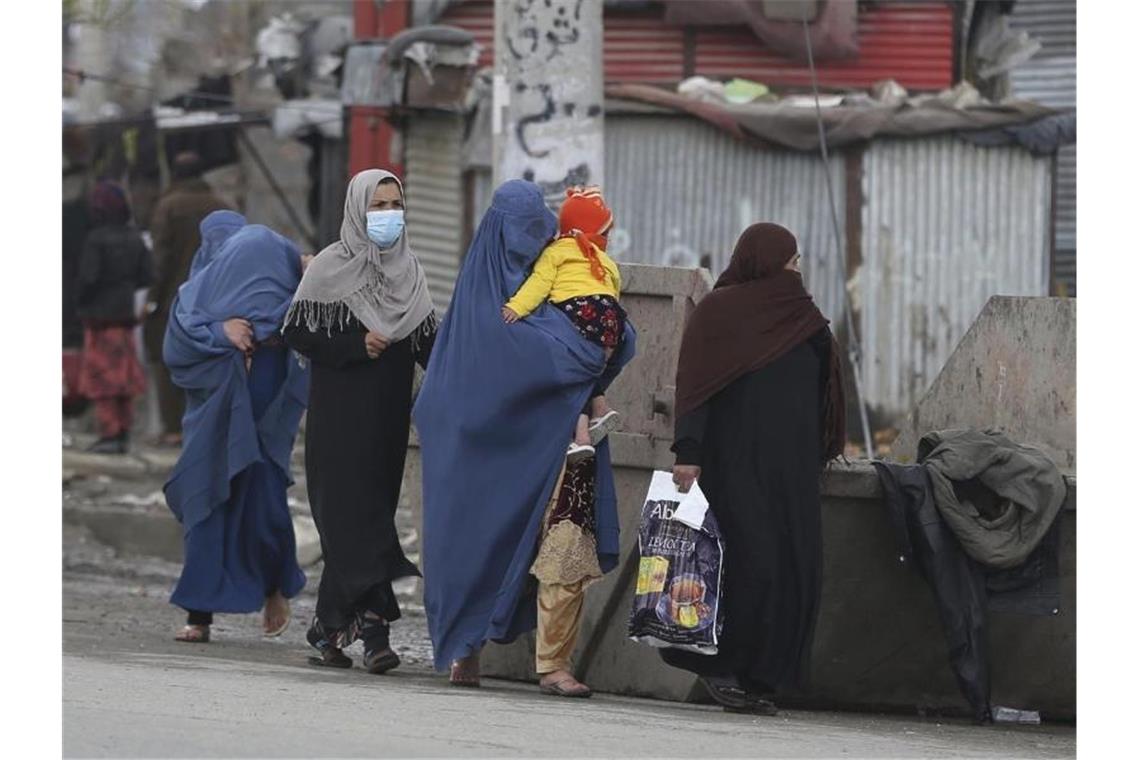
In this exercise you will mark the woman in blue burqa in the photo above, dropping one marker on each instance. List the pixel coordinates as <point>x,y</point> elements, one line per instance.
<point>497,406</point>
<point>246,393</point>
<point>218,227</point>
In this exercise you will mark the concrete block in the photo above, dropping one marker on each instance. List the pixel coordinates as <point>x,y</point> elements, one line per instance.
<point>879,643</point>
<point>155,532</point>
<point>1016,370</point>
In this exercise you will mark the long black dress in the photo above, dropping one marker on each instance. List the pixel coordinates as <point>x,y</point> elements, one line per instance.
<point>758,444</point>
<point>356,441</point>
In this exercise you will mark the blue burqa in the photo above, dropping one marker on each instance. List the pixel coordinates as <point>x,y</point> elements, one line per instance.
<point>215,230</point>
<point>228,486</point>
<point>494,416</point>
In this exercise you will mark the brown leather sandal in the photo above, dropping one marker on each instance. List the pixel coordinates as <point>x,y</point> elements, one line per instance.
<point>559,689</point>
<point>465,672</point>
<point>193,634</point>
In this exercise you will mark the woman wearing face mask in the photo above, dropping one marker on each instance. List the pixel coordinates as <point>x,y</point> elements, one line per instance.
<point>363,316</point>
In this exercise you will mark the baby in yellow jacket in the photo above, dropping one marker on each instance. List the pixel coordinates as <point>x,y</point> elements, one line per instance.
<point>578,278</point>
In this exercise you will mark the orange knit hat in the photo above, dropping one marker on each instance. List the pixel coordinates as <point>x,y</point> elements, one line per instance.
<point>586,217</point>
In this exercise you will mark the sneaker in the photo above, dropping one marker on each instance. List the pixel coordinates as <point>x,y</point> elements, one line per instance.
<point>603,426</point>
<point>576,453</point>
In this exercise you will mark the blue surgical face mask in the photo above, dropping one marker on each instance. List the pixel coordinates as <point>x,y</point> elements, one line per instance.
<point>385,227</point>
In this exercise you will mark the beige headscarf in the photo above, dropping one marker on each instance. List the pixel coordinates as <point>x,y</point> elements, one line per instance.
<point>384,289</point>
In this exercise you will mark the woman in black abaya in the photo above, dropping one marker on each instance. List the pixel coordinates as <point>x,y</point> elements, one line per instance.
<point>759,411</point>
<point>363,317</point>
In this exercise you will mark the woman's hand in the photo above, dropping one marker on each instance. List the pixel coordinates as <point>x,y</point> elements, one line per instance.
<point>240,333</point>
<point>306,259</point>
<point>509,315</point>
<point>374,344</point>
<point>684,475</point>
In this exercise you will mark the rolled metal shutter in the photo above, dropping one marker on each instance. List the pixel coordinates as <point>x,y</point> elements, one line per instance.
<point>434,184</point>
<point>1050,77</point>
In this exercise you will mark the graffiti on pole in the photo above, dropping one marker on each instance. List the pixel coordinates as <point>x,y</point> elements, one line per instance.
<point>549,83</point>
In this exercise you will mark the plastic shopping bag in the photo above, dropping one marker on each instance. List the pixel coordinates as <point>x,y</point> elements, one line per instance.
<point>677,602</point>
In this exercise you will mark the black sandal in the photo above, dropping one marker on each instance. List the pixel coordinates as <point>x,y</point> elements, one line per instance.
<point>330,656</point>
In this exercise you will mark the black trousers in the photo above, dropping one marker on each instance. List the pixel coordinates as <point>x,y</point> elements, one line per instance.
<point>197,617</point>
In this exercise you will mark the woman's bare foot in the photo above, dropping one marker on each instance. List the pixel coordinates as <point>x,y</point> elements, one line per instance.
<point>562,683</point>
<point>275,617</point>
<point>194,634</point>
<point>465,671</point>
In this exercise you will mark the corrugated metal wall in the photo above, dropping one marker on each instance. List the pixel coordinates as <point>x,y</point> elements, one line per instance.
<point>435,198</point>
<point>912,42</point>
<point>946,225</point>
<point>681,189</point>
<point>1050,77</point>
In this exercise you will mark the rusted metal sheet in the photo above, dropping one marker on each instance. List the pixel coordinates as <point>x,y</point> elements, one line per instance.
<point>682,190</point>
<point>946,225</point>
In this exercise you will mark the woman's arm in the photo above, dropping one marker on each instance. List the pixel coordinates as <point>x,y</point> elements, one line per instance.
<point>832,399</point>
<point>337,349</point>
<point>689,435</point>
<point>688,440</point>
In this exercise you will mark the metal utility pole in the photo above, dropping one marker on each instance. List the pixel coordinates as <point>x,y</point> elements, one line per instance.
<point>548,99</point>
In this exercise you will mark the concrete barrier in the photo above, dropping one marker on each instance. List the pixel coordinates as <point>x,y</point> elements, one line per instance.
<point>878,644</point>
<point>151,530</point>
<point>1015,370</point>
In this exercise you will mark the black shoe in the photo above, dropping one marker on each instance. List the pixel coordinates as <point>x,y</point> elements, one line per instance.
<point>378,655</point>
<point>113,445</point>
<point>734,698</point>
<point>382,661</point>
<point>757,706</point>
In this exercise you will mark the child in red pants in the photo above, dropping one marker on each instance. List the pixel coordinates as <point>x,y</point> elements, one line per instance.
<point>114,264</point>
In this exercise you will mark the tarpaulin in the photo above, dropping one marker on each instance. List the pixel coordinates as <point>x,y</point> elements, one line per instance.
<point>832,26</point>
<point>793,125</point>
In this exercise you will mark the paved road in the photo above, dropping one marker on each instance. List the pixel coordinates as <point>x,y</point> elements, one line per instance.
<point>129,691</point>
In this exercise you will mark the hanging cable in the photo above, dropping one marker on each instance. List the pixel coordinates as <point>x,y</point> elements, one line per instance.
<point>854,353</point>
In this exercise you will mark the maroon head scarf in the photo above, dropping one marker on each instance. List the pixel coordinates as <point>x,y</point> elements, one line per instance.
<point>108,203</point>
<point>757,312</point>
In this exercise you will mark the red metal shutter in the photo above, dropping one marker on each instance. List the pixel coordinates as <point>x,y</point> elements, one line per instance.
<point>910,42</point>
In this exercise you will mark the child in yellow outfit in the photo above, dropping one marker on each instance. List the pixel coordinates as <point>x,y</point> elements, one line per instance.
<point>580,280</point>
